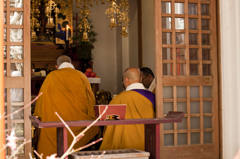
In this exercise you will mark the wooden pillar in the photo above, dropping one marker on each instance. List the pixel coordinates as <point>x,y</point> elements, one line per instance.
<point>62,143</point>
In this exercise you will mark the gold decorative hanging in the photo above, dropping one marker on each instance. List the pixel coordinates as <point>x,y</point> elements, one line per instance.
<point>34,21</point>
<point>51,5</point>
<point>123,17</point>
<point>111,12</point>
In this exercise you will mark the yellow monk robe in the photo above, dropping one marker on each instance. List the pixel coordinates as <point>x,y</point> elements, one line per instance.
<point>67,92</point>
<point>128,136</point>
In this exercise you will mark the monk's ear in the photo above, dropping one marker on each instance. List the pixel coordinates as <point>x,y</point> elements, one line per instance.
<point>56,66</point>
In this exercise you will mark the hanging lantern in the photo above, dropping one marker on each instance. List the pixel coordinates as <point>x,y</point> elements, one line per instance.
<point>85,37</point>
<point>33,35</point>
<point>50,23</point>
<point>112,23</point>
<point>124,32</point>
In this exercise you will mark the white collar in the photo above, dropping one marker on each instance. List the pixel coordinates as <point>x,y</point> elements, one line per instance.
<point>152,86</point>
<point>135,86</point>
<point>65,65</point>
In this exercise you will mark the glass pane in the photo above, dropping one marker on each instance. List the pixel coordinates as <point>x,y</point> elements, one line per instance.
<point>194,107</point>
<point>182,107</point>
<point>180,38</point>
<point>179,23</point>
<point>168,126</point>
<point>168,140</point>
<point>16,18</point>
<point>206,54</point>
<point>5,52</point>
<point>5,95</point>
<point>5,111</point>
<point>5,34</point>
<point>16,35</point>
<point>16,52</point>
<point>182,138</point>
<point>16,3</point>
<point>19,115</point>
<point>180,54</point>
<point>207,92</point>
<point>183,124</point>
<point>193,39</point>
<point>166,7</point>
<point>195,122</point>
<point>5,3</point>
<point>193,69</point>
<point>204,9</point>
<point>166,22</point>
<point>167,38</point>
<point>207,137</point>
<point>5,69</point>
<point>207,107</point>
<point>16,94</point>
<point>167,106</point>
<point>167,69</point>
<point>192,8</point>
<point>205,24</point>
<point>193,25</point>
<point>18,128</point>
<point>206,69</point>
<point>181,92</point>
<point>195,138</point>
<point>179,8</point>
<point>168,92</point>
<point>5,19</point>
<point>207,122</point>
<point>167,53</point>
<point>181,69</point>
<point>205,39</point>
<point>16,69</point>
<point>193,54</point>
<point>194,92</point>
<point>21,151</point>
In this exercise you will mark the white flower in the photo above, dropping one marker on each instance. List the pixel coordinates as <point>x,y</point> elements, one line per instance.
<point>12,139</point>
<point>52,156</point>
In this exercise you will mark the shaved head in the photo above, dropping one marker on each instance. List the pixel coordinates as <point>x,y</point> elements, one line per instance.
<point>131,75</point>
<point>63,58</point>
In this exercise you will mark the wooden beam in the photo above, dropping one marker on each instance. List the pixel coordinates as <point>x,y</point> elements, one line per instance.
<point>140,54</point>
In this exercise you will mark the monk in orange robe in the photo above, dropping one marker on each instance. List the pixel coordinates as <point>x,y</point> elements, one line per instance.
<point>67,92</point>
<point>140,104</point>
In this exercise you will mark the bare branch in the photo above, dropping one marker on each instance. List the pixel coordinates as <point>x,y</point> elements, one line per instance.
<point>65,125</point>
<point>40,156</point>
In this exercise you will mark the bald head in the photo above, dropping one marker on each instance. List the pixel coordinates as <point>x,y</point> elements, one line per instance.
<point>63,58</point>
<point>131,75</point>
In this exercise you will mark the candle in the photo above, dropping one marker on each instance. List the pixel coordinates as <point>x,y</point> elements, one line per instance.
<point>67,32</point>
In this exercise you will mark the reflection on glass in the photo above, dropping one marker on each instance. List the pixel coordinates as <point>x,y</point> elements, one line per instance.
<point>167,53</point>
<point>168,126</point>
<point>207,107</point>
<point>5,69</point>
<point>207,122</point>
<point>180,38</point>
<point>194,107</point>
<point>167,38</point>
<point>5,34</point>
<point>16,3</point>
<point>168,139</point>
<point>5,19</point>
<point>182,107</point>
<point>193,25</point>
<point>19,115</point>
<point>192,8</point>
<point>204,9</point>
<point>5,95</point>
<point>205,39</point>
<point>16,69</point>
<point>181,69</point>
<point>16,94</point>
<point>205,24</point>
<point>181,92</point>
<point>206,69</point>
<point>166,7</point>
<point>167,92</point>
<point>167,106</point>
<point>166,22</point>
<point>195,122</point>
<point>21,151</point>
<point>183,124</point>
<point>180,54</point>
<point>182,138</point>
<point>207,92</point>
<point>195,138</point>
<point>194,92</point>
<point>5,3</point>
<point>168,69</point>
<point>193,54</point>
<point>206,54</point>
<point>16,18</point>
<point>193,69</point>
<point>18,128</point>
<point>207,137</point>
<point>16,35</point>
<point>16,52</point>
<point>193,39</point>
<point>179,23</point>
<point>5,52</point>
<point>179,8</point>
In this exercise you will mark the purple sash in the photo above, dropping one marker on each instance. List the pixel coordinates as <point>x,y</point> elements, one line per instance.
<point>149,95</point>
